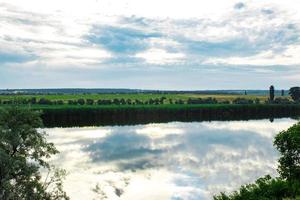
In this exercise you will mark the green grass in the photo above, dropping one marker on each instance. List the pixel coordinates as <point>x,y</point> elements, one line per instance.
<point>163,106</point>
<point>149,107</point>
<point>143,97</point>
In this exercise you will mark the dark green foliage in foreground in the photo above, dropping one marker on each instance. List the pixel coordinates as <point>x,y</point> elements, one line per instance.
<point>288,144</point>
<point>23,152</point>
<point>266,188</point>
<point>287,186</point>
<point>263,188</point>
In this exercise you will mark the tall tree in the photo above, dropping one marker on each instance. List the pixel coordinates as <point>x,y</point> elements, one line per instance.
<point>295,93</point>
<point>288,144</point>
<point>23,151</point>
<point>271,93</point>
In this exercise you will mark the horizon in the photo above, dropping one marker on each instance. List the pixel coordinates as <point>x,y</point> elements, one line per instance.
<point>139,89</point>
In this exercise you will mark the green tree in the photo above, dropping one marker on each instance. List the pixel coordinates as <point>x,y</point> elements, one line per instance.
<point>81,101</point>
<point>265,188</point>
<point>90,102</point>
<point>271,93</point>
<point>23,153</point>
<point>288,144</point>
<point>295,93</point>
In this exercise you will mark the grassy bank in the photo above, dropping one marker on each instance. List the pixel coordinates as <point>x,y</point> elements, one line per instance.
<point>138,96</point>
<point>75,115</point>
<point>158,107</point>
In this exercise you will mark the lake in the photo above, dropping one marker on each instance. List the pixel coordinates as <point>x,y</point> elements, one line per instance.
<point>176,160</point>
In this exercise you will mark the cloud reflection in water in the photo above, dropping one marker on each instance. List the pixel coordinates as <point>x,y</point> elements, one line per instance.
<point>166,161</point>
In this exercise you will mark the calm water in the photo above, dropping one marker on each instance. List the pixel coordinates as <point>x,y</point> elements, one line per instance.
<point>165,161</point>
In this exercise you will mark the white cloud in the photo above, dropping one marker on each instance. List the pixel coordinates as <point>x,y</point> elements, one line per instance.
<point>289,57</point>
<point>191,34</point>
<point>160,56</point>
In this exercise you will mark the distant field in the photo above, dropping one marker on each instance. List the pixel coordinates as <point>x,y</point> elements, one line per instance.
<point>143,97</point>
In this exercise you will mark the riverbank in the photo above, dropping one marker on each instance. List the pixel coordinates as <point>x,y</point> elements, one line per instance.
<point>76,115</point>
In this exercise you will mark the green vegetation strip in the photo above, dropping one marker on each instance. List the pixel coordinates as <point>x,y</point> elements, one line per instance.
<point>154,107</point>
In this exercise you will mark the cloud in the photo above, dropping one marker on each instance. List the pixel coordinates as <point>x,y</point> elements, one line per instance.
<point>267,11</point>
<point>121,40</point>
<point>14,58</point>
<point>122,147</point>
<point>239,6</point>
<point>96,36</point>
<point>160,57</point>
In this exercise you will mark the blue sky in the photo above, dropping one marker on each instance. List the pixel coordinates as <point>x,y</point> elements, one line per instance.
<point>192,44</point>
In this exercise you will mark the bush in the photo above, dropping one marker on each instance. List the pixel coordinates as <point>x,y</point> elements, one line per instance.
<point>72,102</point>
<point>208,100</point>
<point>280,100</point>
<point>179,101</point>
<point>33,100</point>
<point>60,102</point>
<point>242,101</point>
<point>128,102</point>
<point>90,102</point>
<point>116,101</point>
<point>263,189</point>
<point>44,101</point>
<point>104,102</point>
<point>139,102</point>
<point>7,102</point>
<point>81,101</point>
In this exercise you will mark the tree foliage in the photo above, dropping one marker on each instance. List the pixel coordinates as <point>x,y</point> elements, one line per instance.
<point>23,154</point>
<point>271,93</point>
<point>295,93</point>
<point>288,144</point>
<point>263,189</point>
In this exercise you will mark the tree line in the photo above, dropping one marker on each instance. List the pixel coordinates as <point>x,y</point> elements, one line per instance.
<point>151,101</point>
<point>294,92</point>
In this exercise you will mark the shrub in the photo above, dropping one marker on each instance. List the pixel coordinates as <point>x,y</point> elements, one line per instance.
<point>44,101</point>
<point>90,102</point>
<point>104,102</point>
<point>263,189</point>
<point>242,101</point>
<point>208,100</point>
<point>81,101</point>
<point>280,100</point>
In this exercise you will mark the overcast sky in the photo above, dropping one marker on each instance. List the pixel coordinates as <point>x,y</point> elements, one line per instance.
<point>157,44</point>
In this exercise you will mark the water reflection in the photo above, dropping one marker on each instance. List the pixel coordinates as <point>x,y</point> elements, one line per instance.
<point>165,161</point>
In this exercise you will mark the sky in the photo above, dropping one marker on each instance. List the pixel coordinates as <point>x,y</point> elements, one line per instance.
<point>157,44</point>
